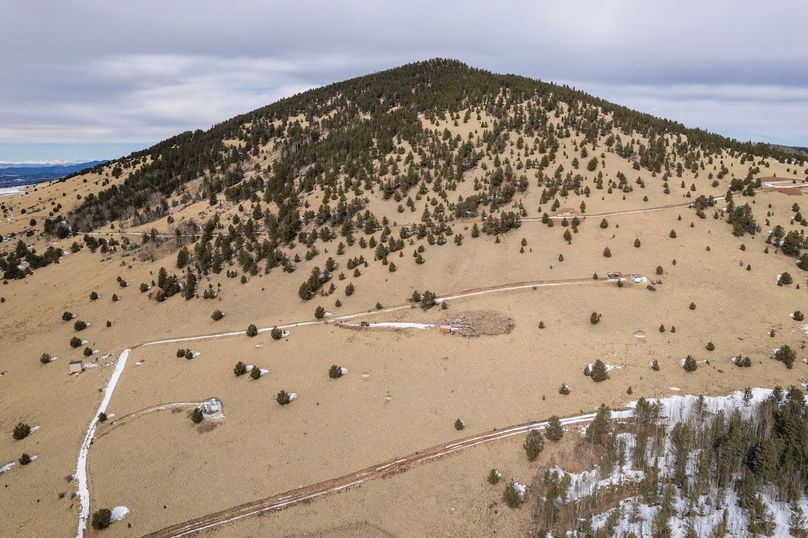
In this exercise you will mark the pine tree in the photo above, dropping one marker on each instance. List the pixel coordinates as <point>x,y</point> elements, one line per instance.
<point>101,519</point>
<point>554,431</point>
<point>533,445</point>
<point>599,371</point>
<point>599,430</point>
<point>21,431</point>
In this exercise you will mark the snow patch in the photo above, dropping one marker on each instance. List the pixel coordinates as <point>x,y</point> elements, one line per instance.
<point>609,367</point>
<point>7,467</point>
<point>119,512</point>
<point>292,396</point>
<point>81,464</point>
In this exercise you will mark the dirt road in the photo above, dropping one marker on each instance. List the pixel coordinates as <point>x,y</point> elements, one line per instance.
<point>307,493</point>
<point>81,466</point>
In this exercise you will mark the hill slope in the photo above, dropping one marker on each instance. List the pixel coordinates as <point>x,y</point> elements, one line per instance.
<point>470,221</point>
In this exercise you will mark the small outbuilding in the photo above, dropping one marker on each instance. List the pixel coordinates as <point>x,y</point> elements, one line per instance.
<point>75,367</point>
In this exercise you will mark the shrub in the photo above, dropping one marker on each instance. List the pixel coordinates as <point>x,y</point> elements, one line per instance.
<point>692,306</point>
<point>662,328</point>
<point>114,297</point>
<point>255,373</point>
<point>283,397</point>
<point>319,312</point>
<point>594,318</point>
<point>459,424</point>
<point>79,325</point>
<point>786,355</point>
<point>349,289</point>
<point>21,431</point>
<point>428,300</point>
<point>240,369</point>
<point>67,316</point>
<point>637,243</point>
<point>607,253</point>
<point>541,325</point>
<point>276,333</point>
<point>784,280</point>
<point>599,372</point>
<point>659,270</point>
<point>25,459</point>
<point>188,354</point>
<point>798,316</point>
<point>101,519</point>
<point>513,496</point>
<point>102,417</point>
<point>564,389</point>
<point>710,346</point>
<point>144,287</point>
<point>655,365</point>
<point>180,353</point>
<point>217,315</point>
<point>197,416</point>
<point>75,342</point>
<point>494,477</point>
<point>93,295</point>
<point>87,351</point>
<point>554,431</point>
<point>742,362</point>
<point>534,444</point>
<point>252,330</point>
<point>45,358</point>
<point>335,372</point>
<point>690,364</point>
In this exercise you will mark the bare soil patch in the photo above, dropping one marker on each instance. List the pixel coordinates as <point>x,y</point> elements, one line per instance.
<point>481,323</point>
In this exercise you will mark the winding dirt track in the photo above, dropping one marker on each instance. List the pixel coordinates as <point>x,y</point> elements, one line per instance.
<point>459,295</point>
<point>126,419</point>
<point>81,466</point>
<point>766,185</point>
<point>307,493</point>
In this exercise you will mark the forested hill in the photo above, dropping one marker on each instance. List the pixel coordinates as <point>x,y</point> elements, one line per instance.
<point>351,129</point>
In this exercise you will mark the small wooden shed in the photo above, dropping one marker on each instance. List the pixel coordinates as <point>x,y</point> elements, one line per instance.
<point>75,367</point>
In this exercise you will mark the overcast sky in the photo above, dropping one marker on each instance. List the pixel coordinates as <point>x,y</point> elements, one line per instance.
<point>96,79</point>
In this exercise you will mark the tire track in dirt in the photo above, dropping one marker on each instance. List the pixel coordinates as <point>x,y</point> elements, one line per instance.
<point>334,485</point>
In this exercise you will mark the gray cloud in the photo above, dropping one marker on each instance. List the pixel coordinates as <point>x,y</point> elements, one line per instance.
<point>98,71</point>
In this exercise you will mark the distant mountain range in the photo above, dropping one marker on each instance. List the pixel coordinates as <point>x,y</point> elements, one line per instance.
<point>19,174</point>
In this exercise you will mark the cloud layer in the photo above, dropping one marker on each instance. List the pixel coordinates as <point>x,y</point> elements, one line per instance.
<point>136,72</point>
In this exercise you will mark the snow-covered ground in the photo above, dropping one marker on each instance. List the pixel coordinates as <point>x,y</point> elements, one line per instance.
<point>11,191</point>
<point>119,512</point>
<point>609,367</point>
<point>81,465</point>
<point>637,517</point>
